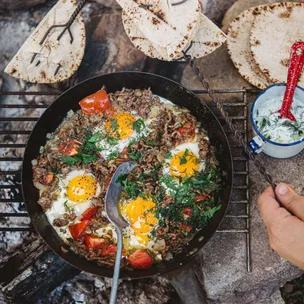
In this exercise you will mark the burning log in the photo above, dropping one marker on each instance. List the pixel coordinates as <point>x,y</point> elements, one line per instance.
<point>31,273</point>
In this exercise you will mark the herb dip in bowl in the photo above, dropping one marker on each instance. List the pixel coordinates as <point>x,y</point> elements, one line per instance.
<point>276,137</point>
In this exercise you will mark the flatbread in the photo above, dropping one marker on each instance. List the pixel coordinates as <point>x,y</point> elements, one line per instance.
<point>239,48</point>
<point>273,33</point>
<point>52,52</point>
<point>166,26</point>
<point>207,37</point>
<point>240,6</point>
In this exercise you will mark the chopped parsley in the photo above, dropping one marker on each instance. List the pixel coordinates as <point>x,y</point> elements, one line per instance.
<point>113,155</point>
<point>150,143</point>
<point>55,170</point>
<point>135,156</point>
<point>96,137</point>
<point>67,207</point>
<point>130,188</point>
<point>111,140</point>
<point>114,125</point>
<point>183,159</point>
<point>138,125</point>
<point>168,155</point>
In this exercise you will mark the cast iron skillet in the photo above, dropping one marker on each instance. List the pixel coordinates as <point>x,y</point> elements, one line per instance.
<point>57,111</point>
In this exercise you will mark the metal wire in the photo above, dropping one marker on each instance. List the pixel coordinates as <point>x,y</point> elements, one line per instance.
<point>66,27</point>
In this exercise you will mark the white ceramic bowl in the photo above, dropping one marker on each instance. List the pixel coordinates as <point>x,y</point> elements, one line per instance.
<point>262,144</point>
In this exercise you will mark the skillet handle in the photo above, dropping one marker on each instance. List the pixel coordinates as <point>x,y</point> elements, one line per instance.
<point>187,285</point>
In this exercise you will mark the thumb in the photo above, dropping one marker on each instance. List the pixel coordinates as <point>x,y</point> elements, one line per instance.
<point>293,202</point>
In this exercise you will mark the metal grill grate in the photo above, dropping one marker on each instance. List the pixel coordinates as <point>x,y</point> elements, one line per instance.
<point>18,118</point>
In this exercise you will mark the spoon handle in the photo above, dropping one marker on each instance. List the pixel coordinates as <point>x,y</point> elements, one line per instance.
<point>294,71</point>
<point>116,267</point>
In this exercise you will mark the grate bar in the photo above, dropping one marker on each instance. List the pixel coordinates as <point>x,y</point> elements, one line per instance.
<point>13,214</point>
<point>234,231</point>
<point>21,132</point>
<point>21,93</point>
<point>11,200</point>
<point>239,202</point>
<point>19,118</point>
<point>237,216</point>
<point>15,229</point>
<point>22,106</point>
<point>10,186</point>
<point>10,172</point>
<point>12,145</point>
<point>10,159</point>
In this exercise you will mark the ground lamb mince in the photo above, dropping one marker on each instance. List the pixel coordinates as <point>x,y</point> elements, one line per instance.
<point>167,127</point>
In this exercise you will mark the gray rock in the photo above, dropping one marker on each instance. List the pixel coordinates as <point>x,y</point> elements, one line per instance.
<point>215,9</point>
<point>220,72</point>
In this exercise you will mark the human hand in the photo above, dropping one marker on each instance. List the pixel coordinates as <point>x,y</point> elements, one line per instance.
<point>285,227</point>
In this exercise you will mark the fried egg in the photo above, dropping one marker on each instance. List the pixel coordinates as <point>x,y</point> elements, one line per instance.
<point>183,161</point>
<point>118,131</point>
<point>75,194</point>
<point>139,213</point>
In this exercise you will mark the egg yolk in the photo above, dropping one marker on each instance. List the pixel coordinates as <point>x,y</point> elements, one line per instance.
<point>120,125</point>
<point>81,188</point>
<point>184,163</point>
<point>141,217</point>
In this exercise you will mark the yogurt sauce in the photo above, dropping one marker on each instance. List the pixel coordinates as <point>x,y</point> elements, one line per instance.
<point>279,130</point>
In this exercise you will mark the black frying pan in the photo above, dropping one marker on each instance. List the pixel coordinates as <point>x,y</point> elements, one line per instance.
<point>54,115</point>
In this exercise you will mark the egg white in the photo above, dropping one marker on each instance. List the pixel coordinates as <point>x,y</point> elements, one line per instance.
<point>192,147</point>
<point>107,148</point>
<point>58,208</point>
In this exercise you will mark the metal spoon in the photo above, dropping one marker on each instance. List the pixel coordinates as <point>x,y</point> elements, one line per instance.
<point>111,208</point>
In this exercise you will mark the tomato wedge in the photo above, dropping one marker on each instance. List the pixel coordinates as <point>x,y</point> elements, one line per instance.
<point>95,103</point>
<point>93,242</point>
<point>89,213</point>
<point>48,178</point>
<point>109,250</point>
<point>186,228</point>
<point>187,129</point>
<point>77,230</point>
<point>140,259</point>
<point>199,198</point>
<point>187,213</point>
<point>70,147</point>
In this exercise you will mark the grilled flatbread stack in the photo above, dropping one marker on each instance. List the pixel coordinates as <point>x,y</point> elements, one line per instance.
<point>270,45</point>
<point>163,30</point>
<point>55,60</point>
<point>259,41</point>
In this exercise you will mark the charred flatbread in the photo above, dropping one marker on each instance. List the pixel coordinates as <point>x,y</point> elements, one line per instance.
<point>163,24</point>
<point>207,37</point>
<point>239,48</point>
<point>273,33</point>
<point>55,59</point>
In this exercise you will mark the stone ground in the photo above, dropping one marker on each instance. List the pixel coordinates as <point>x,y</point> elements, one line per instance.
<point>224,272</point>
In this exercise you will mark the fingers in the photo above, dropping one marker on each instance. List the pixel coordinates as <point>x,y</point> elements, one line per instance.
<point>293,202</point>
<point>268,205</point>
